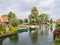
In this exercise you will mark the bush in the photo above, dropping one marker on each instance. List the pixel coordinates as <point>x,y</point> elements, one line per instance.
<point>2,27</point>
<point>14,22</point>
<point>12,29</point>
<point>57,43</point>
<point>58,24</point>
<point>57,37</point>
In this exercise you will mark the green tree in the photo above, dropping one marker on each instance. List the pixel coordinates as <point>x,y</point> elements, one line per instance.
<point>58,24</point>
<point>11,15</point>
<point>33,16</point>
<point>13,19</point>
<point>14,22</point>
<point>51,21</point>
<point>25,20</point>
<point>51,24</point>
<point>43,17</point>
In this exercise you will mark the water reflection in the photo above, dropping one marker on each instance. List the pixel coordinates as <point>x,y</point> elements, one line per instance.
<point>34,36</point>
<point>44,27</point>
<point>14,38</point>
<point>44,30</point>
<point>43,36</point>
<point>1,41</point>
<point>51,28</point>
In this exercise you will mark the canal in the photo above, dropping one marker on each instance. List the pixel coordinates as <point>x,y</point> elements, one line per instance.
<point>43,36</point>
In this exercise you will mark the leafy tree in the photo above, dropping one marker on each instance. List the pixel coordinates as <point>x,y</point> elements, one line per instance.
<point>13,19</point>
<point>51,21</point>
<point>33,16</point>
<point>14,22</point>
<point>51,24</point>
<point>34,11</point>
<point>25,20</point>
<point>43,17</point>
<point>11,15</point>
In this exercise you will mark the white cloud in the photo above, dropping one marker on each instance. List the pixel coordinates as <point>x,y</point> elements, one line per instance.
<point>22,8</point>
<point>46,3</point>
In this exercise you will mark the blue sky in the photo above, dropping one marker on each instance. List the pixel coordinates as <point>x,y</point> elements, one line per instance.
<point>22,8</point>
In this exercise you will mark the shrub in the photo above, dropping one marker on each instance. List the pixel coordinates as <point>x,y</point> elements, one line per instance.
<point>12,29</point>
<point>2,27</point>
<point>14,22</point>
<point>58,24</point>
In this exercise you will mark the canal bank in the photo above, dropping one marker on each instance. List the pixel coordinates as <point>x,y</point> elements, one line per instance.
<point>6,35</point>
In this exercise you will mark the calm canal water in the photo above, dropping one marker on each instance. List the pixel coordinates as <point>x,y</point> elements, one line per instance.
<point>44,36</point>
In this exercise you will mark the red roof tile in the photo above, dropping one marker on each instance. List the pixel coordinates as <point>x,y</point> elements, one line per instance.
<point>4,19</point>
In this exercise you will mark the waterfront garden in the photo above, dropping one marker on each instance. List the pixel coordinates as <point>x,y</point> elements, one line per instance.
<point>34,19</point>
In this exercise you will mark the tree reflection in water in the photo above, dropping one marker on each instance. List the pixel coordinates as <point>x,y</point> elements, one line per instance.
<point>51,27</point>
<point>1,41</point>
<point>44,30</point>
<point>14,38</point>
<point>34,36</point>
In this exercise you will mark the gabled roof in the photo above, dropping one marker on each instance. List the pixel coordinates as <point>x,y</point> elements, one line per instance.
<point>4,19</point>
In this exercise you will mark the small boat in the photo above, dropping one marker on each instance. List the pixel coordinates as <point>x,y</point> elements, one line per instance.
<point>22,30</point>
